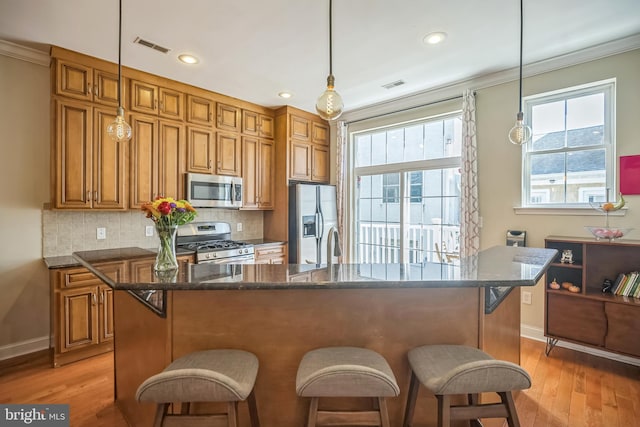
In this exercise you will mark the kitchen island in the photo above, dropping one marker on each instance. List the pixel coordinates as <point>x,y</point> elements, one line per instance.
<point>279,312</point>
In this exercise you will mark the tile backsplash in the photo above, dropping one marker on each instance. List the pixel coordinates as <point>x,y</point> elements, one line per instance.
<point>65,232</point>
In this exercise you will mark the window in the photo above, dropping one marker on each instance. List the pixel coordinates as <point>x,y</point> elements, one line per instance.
<point>570,160</point>
<point>407,191</point>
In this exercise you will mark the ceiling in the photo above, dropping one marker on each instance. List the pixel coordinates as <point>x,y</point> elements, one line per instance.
<point>254,49</point>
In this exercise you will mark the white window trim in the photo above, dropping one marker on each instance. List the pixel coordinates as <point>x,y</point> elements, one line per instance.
<point>526,208</point>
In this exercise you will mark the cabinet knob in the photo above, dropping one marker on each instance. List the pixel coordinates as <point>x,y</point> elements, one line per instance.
<point>210,164</point>
<point>96,91</point>
<point>88,196</point>
<point>95,195</point>
<point>88,88</point>
<point>93,295</point>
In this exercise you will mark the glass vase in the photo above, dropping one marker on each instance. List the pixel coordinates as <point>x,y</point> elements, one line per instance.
<point>166,259</point>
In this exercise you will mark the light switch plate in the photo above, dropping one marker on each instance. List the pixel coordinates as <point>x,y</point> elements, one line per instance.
<point>239,226</point>
<point>526,297</point>
<point>148,230</point>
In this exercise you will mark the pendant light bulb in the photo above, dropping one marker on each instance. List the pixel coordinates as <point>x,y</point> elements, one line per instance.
<point>119,129</point>
<point>329,105</point>
<point>520,133</point>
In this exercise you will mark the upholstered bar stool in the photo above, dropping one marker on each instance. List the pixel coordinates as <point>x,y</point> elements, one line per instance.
<point>448,370</point>
<point>203,376</point>
<point>346,372</point>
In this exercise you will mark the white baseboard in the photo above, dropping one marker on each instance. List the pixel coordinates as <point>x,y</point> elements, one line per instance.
<point>538,335</point>
<point>24,347</point>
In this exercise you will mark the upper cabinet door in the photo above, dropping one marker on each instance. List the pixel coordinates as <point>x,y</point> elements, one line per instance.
<point>265,126</point>
<point>200,150</point>
<point>320,133</point>
<point>250,122</point>
<point>144,97</point>
<point>300,128</point>
<point>171,104</point>
<point>199,110</point>
<point>73,151</point>
<point>74,80</point>
<point>109,163</point>
<point>229,153</point>
<point>228,117</point>
<point>105,88</point>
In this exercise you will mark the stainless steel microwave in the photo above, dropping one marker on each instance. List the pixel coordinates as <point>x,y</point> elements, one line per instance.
<point>214,191</point>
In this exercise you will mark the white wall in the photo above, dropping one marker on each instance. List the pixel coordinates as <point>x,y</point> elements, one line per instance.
<point>24,187</point>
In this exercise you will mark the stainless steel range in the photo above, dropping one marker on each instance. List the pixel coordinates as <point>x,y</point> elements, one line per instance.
<point>212,244</point>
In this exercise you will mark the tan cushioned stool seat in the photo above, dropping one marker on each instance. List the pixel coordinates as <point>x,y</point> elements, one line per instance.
<point>204,376</point>
<point>456,369</point>
<point>345,372</point>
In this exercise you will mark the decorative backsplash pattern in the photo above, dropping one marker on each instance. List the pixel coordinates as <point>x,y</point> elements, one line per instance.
<point>65,232</point>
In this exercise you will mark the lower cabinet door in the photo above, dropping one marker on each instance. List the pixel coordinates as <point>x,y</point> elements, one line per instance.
<point>576,319</point>
<point>624,322</point>
<point>79,319</point>
<point>106,313</point>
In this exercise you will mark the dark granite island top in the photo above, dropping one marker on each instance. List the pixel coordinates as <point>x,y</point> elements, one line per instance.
<point>499,266</point>
<point>279,312</point>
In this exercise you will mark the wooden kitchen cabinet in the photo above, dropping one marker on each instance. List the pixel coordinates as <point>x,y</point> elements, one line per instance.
<point>201,152</point>
<point>228,117</point>
<point>152,99</point>
<point>271,253</point>
<point>200,110</point>
<point>157,157</point>
<point>257,173</point>
<point>229,154</point>
<point>86,83</point>
<point>308,149</point>
<point>257,124</point>
<point>591,317</point>
<point>88,168</point>
<point>81,313</point>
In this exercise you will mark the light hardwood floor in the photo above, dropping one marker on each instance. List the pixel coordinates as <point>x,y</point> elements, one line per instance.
<point>570,389</point>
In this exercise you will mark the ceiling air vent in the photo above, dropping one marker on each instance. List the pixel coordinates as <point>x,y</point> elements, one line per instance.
<point>151,45</point>
<point>393,84</point>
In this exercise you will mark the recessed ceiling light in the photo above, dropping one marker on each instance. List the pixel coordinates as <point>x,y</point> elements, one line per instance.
<point>285,95</point>
<point>188,59</point>
<point>434,38</point>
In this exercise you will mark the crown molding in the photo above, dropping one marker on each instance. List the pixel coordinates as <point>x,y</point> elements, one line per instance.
<point>24,53</point>
<point>439,93</point>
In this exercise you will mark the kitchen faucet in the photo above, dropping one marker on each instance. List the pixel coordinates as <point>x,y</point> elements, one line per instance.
<point>333,245</point>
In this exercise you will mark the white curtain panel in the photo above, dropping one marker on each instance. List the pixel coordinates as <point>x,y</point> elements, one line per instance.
<point>470,222</point>
<point>341,145</point>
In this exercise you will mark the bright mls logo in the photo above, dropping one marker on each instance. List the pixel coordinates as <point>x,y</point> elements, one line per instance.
<point>36,415</point>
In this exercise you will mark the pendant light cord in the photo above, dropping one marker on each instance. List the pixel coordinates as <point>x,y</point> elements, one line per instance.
<point>521,32</point>
<point>330,38</point>
<point>120,54</point>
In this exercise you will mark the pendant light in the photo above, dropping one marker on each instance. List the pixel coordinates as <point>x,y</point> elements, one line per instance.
<point>521,133</point>
<point>119,129</point>
<point>329,105</point>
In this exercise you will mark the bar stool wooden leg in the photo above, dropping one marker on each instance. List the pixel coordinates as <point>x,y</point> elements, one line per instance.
<point>161,411</point>
<point>313,412</point>
<point>444,410</point>
<point>253,410</point>
<point>232,414</point>
<point>414,385</point>
<point>384,414</point>
<point>507,400</point>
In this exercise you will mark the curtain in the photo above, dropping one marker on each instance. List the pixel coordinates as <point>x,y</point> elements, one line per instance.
<point>341,144</point>
<point>470,222</point>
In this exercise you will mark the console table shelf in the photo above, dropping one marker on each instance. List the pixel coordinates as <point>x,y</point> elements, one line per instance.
<point>590,317</point>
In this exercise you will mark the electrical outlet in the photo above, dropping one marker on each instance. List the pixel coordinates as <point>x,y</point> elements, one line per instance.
<point>239,226</point>
<point>101,233</point>
<point>148,230</point>
<point>526,297</point>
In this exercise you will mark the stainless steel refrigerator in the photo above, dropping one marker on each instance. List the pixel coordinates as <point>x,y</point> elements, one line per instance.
<point>312,217</point>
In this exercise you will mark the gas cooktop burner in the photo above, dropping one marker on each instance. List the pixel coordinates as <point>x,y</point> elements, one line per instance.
<point>216,244</point>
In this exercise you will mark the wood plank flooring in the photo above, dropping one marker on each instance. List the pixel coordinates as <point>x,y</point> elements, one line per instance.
<point>570,389</point>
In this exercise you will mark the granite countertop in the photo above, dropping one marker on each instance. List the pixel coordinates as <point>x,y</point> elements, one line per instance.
<point>498,266</point>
